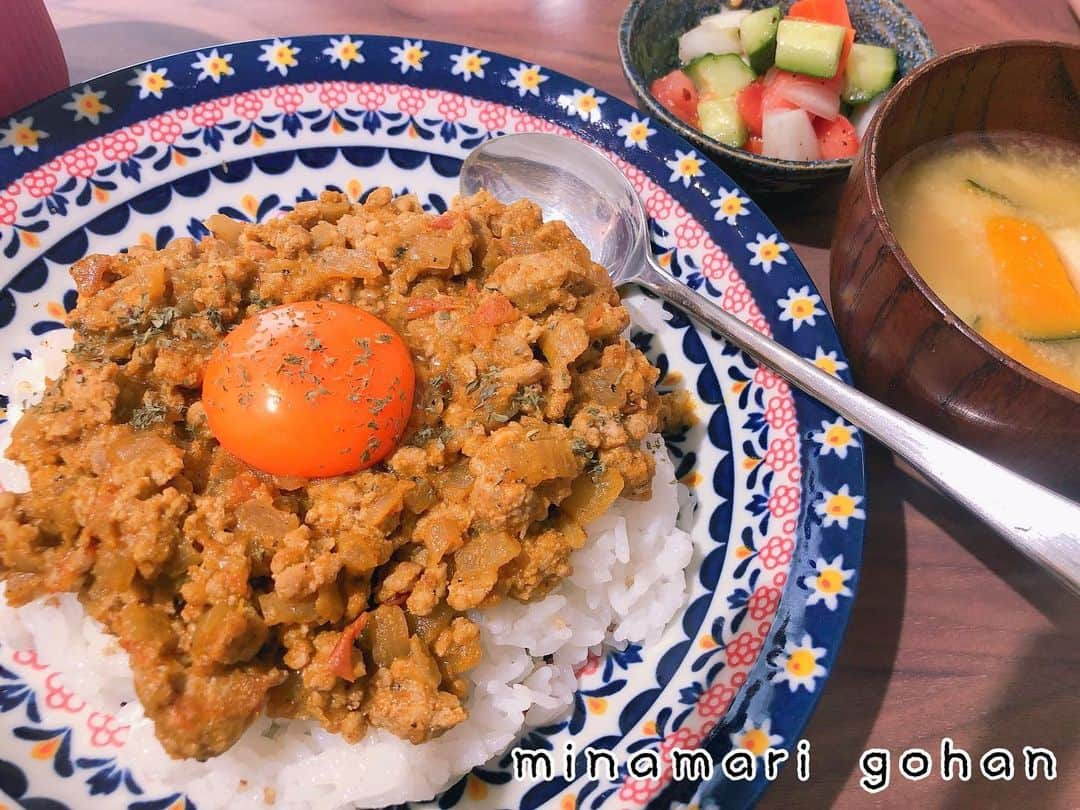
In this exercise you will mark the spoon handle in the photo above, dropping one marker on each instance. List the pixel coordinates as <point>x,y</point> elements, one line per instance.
<point>1041,524</point>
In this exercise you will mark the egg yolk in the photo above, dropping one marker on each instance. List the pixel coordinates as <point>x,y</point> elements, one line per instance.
<point>309,389</point>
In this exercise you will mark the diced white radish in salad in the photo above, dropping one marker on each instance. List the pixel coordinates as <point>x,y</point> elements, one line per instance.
<point>813,95</point>
<point>789,135</point>
<point>731,18</point>
<point>864,114</point>
<point>708,39</point>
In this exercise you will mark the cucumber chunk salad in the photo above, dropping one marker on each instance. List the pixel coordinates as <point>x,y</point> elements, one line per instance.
<point>797,87</point>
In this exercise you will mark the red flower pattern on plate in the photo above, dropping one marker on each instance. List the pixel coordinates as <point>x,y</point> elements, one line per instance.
<point>288,98</point>
<point>452,107</point>
<point>248,105</point>
<point>715,265</point>
<point>779,411</point>
<point>333,94</point>
<point>116,147</point>
<point>164,128</point>
<point>79,162</point>
<point>755,319</point>
<point>763,603</point>
<point>782,452</point>
<point>370,96</point>
<point>736,296</point>
<point>411,100</point>
<point>784,500</point>
<point>777,552</point>
<point>106,730</point>
<point>639,791</point>
<point>743,649</point>
<point>28,658</point>
<point>40,182</point>
<point>9,211</point>
<point>58,697</point>
<point>207,114</point>
<point>715,700</point>
<point>688,234</point>
<point>492,116</point>
<point>659,204</point>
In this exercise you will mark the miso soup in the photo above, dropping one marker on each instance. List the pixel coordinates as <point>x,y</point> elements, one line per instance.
<point>992,223</point>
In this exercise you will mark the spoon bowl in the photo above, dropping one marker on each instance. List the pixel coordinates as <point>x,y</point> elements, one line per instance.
<point>571,181</point>
<point>598,204</point>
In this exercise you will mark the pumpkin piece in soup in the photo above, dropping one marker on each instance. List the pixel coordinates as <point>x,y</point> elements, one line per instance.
<point>1039,297</point>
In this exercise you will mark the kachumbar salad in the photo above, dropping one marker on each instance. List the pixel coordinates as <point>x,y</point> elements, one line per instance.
<point>796,87</point>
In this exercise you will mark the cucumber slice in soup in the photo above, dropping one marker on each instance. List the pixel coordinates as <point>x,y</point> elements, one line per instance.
<point>720,119</point>
<point>870,70</point>
<point>810,48</point>
<point>719,75</point>
<point>758,34</point>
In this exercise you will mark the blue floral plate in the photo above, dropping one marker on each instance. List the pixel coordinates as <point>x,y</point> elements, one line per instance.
<point>142,155</point>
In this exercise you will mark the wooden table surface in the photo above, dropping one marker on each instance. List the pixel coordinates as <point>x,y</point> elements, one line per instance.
<point>953,634</point>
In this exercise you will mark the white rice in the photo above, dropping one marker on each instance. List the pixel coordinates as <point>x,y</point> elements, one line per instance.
<point>628,582</point>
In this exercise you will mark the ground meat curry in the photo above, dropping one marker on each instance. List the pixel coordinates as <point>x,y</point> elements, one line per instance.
<point>341,599</point>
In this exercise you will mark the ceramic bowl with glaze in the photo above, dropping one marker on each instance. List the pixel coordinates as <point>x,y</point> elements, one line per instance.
<point>649,45</point>
<point>905,346</point>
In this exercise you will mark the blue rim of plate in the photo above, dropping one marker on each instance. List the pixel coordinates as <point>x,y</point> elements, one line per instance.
<point>604,125</point>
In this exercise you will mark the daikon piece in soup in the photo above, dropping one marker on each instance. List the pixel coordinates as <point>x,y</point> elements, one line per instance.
<point>992,223</point>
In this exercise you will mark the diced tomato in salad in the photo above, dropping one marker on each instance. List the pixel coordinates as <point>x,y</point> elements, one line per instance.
<point>678,94</point>
<point>836,138</point>
<point>834,12</point>
<point>749,102</point>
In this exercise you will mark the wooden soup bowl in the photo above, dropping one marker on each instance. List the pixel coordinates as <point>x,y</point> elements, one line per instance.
<point>904,345</point>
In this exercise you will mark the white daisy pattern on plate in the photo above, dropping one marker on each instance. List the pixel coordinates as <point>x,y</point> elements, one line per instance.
<point>20,135</point>
<point>800,307</point>
<point>635,131</point>
<point>151,81</point>
<point>730,205</point>
<point>345,51</point>
<point>799,665</point>
<point>685,167</point>
<point>88,103</point>
<point>583,103</point>
<point>468,63</point>
<point>279,55</point>
<point>765,251</point>
<point>756,738</point>
<point>526,79</point>
<point>213,65</point>
<point>828,582</point>
<point>835,437</point>
<point>837,508</point>
<point>410,56</point>
<point>828,362</point>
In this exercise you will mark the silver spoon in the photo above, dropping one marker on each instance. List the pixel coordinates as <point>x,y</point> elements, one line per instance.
<point>572,181</point>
